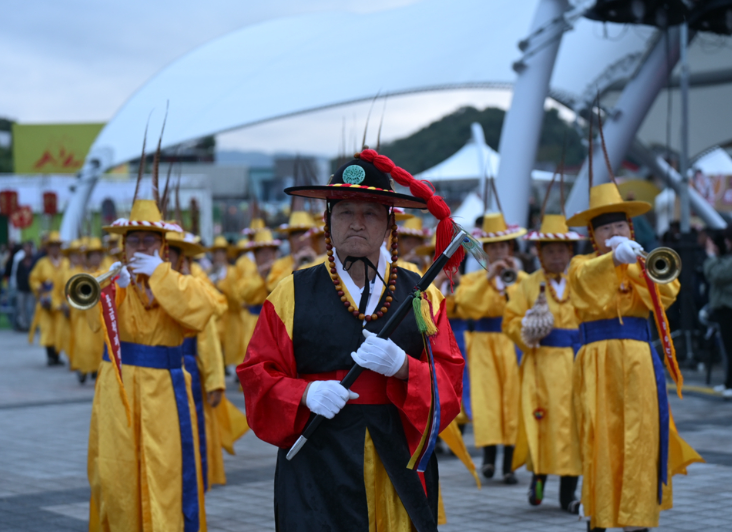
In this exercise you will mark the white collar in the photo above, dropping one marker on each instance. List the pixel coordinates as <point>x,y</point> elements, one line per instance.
<point>559,286</point>
<point>355,291</point>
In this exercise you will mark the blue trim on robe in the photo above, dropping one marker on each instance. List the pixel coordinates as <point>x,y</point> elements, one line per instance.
<point>495,325</point>
<point>638,329</point>
<point>255,310</point>
<point>171,358</point>
<point>459,327</point>
<point>190,356</point>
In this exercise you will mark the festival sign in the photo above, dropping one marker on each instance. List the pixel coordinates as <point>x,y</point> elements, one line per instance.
<point>52,148</point>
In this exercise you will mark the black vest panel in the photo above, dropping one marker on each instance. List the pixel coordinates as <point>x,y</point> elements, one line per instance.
<point>324,334</point>
<point>322,488</point>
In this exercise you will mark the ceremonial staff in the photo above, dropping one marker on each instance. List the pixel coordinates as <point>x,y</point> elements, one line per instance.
<point>461,238</point>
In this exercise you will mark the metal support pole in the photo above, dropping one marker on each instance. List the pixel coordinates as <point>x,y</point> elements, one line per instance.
<point>662,170</point>
<point>522,125</point>
<point>687,243</point>
<point>626,117</point>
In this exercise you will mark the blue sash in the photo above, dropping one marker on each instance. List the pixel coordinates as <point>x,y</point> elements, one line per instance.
<point>458,329</point>
<point>255,310</point>
<point>562,338</point>
<point>190,353</point>
<point>494,325</point>
<point>639,330</point>
<point>489,325</point>
<point>171,358</point>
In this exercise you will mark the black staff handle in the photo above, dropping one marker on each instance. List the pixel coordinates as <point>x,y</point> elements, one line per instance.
<point>391,324</point>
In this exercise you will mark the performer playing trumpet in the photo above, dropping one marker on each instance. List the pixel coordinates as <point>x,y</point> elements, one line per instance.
<point>145,471</point>
<point>492,356</point>
<point>629,445</point>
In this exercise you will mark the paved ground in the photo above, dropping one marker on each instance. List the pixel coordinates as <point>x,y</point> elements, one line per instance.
<point>44,419</point>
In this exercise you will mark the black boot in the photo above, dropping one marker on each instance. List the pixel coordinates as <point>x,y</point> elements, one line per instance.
<point>81,376</point>
<point>567,498</point>
<point>594,529</point>
<point>536,490</point>
<point>489,461</point>
<point>52,356</point>
<point>508,476</point>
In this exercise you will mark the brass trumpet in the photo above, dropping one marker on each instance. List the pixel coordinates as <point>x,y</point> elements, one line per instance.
<point>83,290</point>
<point>508,276</point>
<point>662,264</point>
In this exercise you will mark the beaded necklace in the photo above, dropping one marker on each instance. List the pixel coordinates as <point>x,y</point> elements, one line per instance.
<point>553,292</point>
<point>391,286</point>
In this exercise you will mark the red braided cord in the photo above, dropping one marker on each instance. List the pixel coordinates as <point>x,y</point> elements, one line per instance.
<point>435,204</point>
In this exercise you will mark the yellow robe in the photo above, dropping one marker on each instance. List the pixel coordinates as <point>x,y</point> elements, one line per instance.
<point>615,401</point>
<point>548,446</point>
<point>62,327</point>
<point>86,346</point>
<point>234,323</point>
<point>51,321</point>
<point>494,374</point>
<point>220,420</point>
<point>252,291</point>
<point>135,471</point>
<point>281,268</point>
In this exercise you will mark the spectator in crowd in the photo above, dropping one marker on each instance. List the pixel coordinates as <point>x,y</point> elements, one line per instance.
<point>24,299</point>
<point>6,261</point>
<point>718,270</point>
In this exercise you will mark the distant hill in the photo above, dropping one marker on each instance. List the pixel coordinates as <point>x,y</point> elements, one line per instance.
<point>439,140</point>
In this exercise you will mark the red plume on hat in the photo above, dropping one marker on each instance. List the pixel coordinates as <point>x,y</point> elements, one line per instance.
<point>423,190</point>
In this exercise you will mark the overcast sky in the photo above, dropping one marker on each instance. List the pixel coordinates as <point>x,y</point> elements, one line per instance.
<point>79,60</point>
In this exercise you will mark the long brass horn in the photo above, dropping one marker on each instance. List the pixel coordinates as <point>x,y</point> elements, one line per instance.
<point>508,276</point>
<point>83,290</point>
<point>662,264</point>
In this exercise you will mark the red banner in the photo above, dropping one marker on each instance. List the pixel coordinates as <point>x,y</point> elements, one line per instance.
<point>111,338</point>
<point>8,202</point>
<point>50,203</point>
<point>664,330</point>
<point>109,313</point>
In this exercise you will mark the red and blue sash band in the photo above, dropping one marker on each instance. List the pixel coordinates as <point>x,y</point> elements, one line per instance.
<point>427,446</point>
<point>171,359</point>
<point>190,356</point>
<point>637,329</point>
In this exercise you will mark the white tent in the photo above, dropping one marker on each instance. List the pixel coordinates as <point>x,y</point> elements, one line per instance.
<point>471,162</point>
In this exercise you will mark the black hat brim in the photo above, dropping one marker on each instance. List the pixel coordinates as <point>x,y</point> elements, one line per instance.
<point>341,192</point>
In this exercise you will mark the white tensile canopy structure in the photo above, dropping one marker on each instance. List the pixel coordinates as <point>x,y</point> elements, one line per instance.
<point>472,162</point>
<point>295,65</point>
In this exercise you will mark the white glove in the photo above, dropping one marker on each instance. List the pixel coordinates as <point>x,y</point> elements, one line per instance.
<point>379,355</point>
<point>123,281</point>
<point>627,252</point>
<point>327,398</point>
<point>145,264</point>
<point>615,241</point>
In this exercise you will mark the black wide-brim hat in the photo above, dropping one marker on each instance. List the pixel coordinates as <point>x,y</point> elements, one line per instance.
<point>361,180</point>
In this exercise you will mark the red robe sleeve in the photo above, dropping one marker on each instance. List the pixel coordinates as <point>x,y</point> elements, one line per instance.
<point>413,396</point>
<point>268,376</point>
